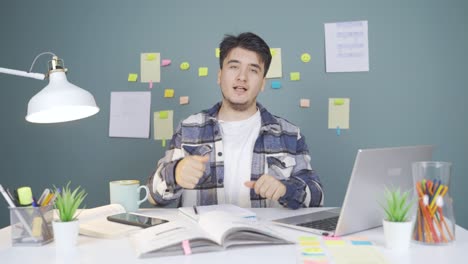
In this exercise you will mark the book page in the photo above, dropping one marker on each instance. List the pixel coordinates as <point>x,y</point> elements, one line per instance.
<point>223,226</point>
<point>166,239</point>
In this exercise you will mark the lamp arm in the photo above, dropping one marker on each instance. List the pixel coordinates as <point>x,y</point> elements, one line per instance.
<point>33,75</point>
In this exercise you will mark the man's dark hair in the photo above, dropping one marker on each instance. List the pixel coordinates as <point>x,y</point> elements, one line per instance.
<point>248,41</point>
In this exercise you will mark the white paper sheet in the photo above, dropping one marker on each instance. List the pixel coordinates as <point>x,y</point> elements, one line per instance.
<point>347,47</point>
<point>130,114</point>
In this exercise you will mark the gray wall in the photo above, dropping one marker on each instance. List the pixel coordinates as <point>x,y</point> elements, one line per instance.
<point>414,93</point>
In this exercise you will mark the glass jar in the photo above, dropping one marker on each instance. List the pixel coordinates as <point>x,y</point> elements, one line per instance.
<point>435,220</point>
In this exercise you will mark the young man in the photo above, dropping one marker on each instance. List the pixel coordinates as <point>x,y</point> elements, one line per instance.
<point>237,152</point>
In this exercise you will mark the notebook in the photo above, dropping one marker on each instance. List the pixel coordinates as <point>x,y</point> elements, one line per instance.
<point>373,170</point>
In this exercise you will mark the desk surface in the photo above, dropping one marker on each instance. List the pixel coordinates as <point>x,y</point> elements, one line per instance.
<point>114,251</point>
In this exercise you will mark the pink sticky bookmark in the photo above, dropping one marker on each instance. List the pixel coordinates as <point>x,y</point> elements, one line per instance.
<point>186,247</point>
<point>151,85</point>
<point>165,62</point>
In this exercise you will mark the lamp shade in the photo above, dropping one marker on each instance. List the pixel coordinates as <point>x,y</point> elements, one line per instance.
<point>60,101</point>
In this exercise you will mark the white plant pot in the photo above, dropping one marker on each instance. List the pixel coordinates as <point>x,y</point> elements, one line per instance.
<point>397,234</point>
<point>66,234</point>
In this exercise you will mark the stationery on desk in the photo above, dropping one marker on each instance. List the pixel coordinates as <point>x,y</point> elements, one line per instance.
<point>215,230</point>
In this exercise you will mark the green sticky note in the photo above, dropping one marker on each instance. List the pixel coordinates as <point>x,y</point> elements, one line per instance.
<point>217,52</point>
<point>132,77</point>
<point>295,76</point>
<point>339,101</point>
<point>151,56</point>
<point>163,114</point>
<point>273,52</point>
<point>202,71</point>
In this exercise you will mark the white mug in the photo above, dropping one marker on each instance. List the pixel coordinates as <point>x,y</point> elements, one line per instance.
<point>127,193</point>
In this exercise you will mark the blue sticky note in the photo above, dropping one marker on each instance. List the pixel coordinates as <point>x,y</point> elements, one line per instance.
<point>276,85</point>
<point>338,131</point>
<point>361,243</point>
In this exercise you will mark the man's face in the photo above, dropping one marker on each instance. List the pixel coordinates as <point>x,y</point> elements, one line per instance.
<point>241,79</point>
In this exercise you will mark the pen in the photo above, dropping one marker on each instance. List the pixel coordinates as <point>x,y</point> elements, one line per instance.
<point>18,215</point>
<point>195,210</point>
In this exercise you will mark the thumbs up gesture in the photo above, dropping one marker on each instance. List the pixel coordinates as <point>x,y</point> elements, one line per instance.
<point>189,170</point>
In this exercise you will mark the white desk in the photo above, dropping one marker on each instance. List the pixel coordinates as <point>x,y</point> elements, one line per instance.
<point>108,251</point>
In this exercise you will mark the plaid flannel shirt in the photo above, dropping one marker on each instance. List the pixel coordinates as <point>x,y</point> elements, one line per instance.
<point>280,151</point>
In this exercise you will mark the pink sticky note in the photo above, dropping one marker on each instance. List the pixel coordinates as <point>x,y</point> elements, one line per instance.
<point>183,100</point>
<point>151,84</point>
<point>165,62</point>
<point>186,247</point>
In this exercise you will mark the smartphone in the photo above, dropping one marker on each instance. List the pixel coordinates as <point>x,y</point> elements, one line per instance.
<point>136,220</point>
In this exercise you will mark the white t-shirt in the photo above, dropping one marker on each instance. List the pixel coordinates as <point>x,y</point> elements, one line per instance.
<point>238,142</point>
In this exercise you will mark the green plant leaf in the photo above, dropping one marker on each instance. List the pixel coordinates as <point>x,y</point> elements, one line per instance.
<point>68,201</point>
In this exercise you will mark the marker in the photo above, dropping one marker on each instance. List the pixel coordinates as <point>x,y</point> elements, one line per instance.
<point>195,210</point>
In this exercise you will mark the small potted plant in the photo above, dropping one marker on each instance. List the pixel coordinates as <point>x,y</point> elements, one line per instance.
<point>66,229</point>
<point>397,224</point>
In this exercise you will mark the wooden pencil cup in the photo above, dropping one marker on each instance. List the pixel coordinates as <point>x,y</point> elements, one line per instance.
<point>435,219</point>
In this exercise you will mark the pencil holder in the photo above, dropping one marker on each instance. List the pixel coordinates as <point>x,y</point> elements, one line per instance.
<point>435,220</point>
<point>31,226</point>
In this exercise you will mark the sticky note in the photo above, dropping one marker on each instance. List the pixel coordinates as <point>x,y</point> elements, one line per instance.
<point>186,247</point>
<point>163,114</point>
<point>163,143</point>
<point>275,84</point>
<point>305,57</point>
<point>184,66</point>
<point>309,243</point>
<point>361,243</point>
<point>339,101</point>
<point>295,76</point>
<point>202,71</point>
<point>168,93</point>
<point>335,242</point>
<point>151,56</point>
<point>312,250</point>
<point>305,103</point>
<point>273,52</point>
<point>132,77</point>
<point>165,62</point>
<point>217,52</point>
<point>183,100</point>
<point>150,85</point>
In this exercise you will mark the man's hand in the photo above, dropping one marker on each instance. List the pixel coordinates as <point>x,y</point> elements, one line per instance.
<point>267,187</point>
<point>189,170</point>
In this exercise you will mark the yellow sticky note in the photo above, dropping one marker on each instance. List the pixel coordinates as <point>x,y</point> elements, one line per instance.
<point>202,71</point>
<point>295,76</point>
<point>273,52</point>
<point>132,77</point>
<point>168,93</point>
<point>151,56</point>
<point>312,250</point>
<point>163,114</point>
<point>217,52</point>
<point>308,238</point>
<point>309,243</point>
<point>339,101</point>
<point>183,100</point>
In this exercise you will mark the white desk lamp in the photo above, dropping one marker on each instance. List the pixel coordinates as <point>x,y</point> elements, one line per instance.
<point>59,101</point>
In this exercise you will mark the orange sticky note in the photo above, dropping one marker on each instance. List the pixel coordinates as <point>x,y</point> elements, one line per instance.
<point>183,100</point>
<point>202,71</point>
<point>168,93</point>
<point>305,103</point>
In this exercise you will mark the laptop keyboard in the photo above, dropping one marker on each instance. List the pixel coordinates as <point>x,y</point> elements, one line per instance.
<point>327,224</point>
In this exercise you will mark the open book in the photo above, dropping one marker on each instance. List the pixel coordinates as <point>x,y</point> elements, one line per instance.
<point>93,222</point>
<point>215,230</point>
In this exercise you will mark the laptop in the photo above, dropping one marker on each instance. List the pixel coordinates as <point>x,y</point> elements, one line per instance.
<point>373,170</point>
